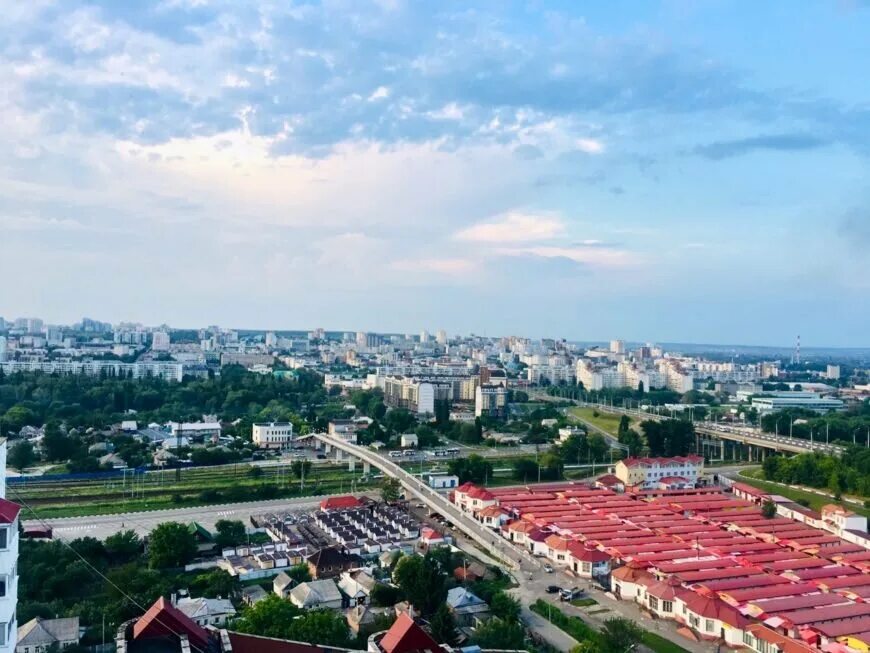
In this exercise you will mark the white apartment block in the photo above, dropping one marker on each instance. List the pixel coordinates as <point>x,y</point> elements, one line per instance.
<point>165,371</point>
<point>160,341</point>
<point>8,562</point>
<point>416,396</point>
<point>272,435</point>
<point>650,472</point>
<point>554,374</point>
<point>491,400</point>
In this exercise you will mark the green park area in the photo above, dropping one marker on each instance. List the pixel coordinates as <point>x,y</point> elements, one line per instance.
<point>812,500</point>
<point>605,421</point>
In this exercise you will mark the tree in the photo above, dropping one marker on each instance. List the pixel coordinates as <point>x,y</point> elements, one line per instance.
<point>326,627</point>
<point>768,509</point>
<point>624,425</point>
<point>496,634</point>
<point>443,626</point>
<point>21,455</point>
<point>123,546</point>
<point>270,617</point>
<point>391,489</point>
<point>422,581</point>
<point>384,595</point>
<point>171,545</point>
<point>299,573</point>
<point>230,533</point>
<point>474,468</point>
<point>598,447</point>
<point>504,606</point>
<point>300,468</point>
<point>525,469</point>
<point>55,444</point>
<point>619,635</point>
<point>633,440</point>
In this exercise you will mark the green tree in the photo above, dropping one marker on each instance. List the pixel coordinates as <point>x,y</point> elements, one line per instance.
<point>422,581</point>
<point>170,545</point>
<point>270,617</point>
<point>525,470</point>
<point>598,447</point>
<point>229,533</point>
<point>55,444</point>
<point>443,626</point>
<point>123,546</point>
<point>326,627</point>
<point>633,440</point>
<point>473,468</point>
<point>300,468</point>
<point>504,606</point>
<point>619,635</point>
<point>391,489</point>
<point>496,634</point>
<point>768,509</point>
<point>21,455</point>
<point>384,595</point>
<point>299,573</point>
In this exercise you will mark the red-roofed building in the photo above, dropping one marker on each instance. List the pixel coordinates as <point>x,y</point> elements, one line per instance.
<point>628,580</point>
<point>471,498</point>
<point>340,503</point>
<point>163,621</point>
<point>711,617</point>
<point>493,516</point>
<point>586,561</point>
<point>404,636</point>
<point>647,473</point>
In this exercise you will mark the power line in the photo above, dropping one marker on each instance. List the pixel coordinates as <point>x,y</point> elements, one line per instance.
<point>96,571</point>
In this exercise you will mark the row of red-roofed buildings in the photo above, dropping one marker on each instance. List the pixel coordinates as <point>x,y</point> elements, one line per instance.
<point>704,558</point>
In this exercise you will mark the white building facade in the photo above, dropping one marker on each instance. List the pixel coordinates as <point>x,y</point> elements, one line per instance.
<point>8,562</point>
<point>272,435</point>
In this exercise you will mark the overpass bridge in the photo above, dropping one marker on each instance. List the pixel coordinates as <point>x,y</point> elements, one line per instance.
<point>415,487</point>
<point>756,440</point>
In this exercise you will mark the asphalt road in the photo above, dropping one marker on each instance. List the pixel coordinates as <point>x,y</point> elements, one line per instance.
<point>100,527</point>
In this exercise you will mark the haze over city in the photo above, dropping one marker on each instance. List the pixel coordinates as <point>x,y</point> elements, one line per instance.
<point>663,171</point>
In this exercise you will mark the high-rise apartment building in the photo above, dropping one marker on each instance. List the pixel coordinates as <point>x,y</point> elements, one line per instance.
<point>8,562</point>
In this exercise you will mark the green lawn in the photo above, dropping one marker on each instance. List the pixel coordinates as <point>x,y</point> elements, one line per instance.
<point>813,500</point>
<point>583,603</point>
<point>605,421</point>
<point>661,645</point>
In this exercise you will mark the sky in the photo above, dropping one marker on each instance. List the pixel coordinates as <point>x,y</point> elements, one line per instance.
<point>680,170</point>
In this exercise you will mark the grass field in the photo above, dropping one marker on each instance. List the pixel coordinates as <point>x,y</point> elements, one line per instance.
<point>605,421</point>
<point>661,645</point>
<point>813,500</point>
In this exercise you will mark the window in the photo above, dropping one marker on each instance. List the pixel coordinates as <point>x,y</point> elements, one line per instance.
<point>653,603</point>
<point>3,634</point>
<point>2,586</point>
<point>4,538</point>
<point>708,625</point>
<point>747,639</point>
<point>667,606</point>
<point>587,567</point>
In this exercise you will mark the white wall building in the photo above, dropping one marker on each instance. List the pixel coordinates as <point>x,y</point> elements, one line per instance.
<point>272,435</point>
<point>160,341</point>
<point>8,562</point>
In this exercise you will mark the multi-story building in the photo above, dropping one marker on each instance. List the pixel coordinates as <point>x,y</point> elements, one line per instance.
<point>770,404</point>
<point>441,337</point>
<point>3,348</point>
<point>415,395</point>
<point>165,371</point>
<point>645,473</point>
<point>8,562</point>
<point>160,341</point>
<point>617,346</point>
<point>246,359</point>
<point>491,401</point>
<point>553,374</point>
<point>272,435</point>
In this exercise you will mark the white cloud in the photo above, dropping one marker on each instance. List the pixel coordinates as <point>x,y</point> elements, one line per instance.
<point>590,146</point>
<point>380,93</point>
<point>610,257</point>
<point>514,227</point>
<point>445,266</point>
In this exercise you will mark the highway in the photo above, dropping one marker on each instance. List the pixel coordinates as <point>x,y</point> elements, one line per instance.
<point>743,434</point>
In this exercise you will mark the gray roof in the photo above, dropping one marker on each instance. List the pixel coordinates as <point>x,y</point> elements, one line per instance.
<point>281,582</point>
<point>315,592</point>
<point>459,597</point>
<point>44,632</point>
<point>202,607</point>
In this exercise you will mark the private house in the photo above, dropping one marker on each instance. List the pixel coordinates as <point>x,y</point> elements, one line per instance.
<point>40,634</point>
<point>468,609</point>
<point>206,612</point>
<point>282,584</point>
<point>587,562</point>
<point>329,562</point>
<point>316,594</point>
<point>356,587</point>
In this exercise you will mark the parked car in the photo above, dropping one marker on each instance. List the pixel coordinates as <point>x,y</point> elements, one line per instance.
<point>552,589</point>
<point>548,568</point>
<point>570,594</point>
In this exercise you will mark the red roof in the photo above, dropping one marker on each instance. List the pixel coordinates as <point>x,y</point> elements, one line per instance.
<point>583,553</point>
<point>430,534</point>
<point>164,619</point>
<point>339,503</point>
<point>8,511</point>
<point>707,604</point>
<point>481,493</point>
<point>608,479</point>
<point>244,643</point>
<point>639,462</point>
<point>404,636</point>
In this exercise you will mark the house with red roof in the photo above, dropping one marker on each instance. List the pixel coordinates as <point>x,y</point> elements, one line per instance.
<point>470,498</point>
<point>557,548</point>
<point>646,473</point>
<point>587,561</point>
<point>404,636</point>
<point>429,538</point>
<point>340,503</point>
<point>710,617</point>
<point>493,516</point>
<point>629,580</point>
<point>517,531</point>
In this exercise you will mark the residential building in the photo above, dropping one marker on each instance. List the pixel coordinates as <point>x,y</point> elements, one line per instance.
<point>330,562</point>
<point>246,359</point>
<point>316,594</point>
<point>491,401</point>
<point>207,612</point>
<point>272,435</point>
<point>467,608</point>
<point>408,440</point>
<point>40,634</point>
<point>646,473</point>
<point>346,429</point>
<point>282,584</point>
<point>135,371</point>
<point>160,341</point>
<point>404,636</point>
<point>8,561</point>
<point>417,396</point>
<point>195,430</point>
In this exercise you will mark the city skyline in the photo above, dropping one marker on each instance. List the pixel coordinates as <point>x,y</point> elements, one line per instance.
<point>663,172</point>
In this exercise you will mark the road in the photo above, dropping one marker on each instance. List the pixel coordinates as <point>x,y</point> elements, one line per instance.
<point>526,569</point>
<point>100,527</point>
<point>742,434</point>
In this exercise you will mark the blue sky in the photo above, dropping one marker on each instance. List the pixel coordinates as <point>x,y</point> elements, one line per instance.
<point>671,171</point>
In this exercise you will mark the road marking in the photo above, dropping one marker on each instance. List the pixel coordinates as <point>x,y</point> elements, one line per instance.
<point>225,513</point>
<point>84,527</point>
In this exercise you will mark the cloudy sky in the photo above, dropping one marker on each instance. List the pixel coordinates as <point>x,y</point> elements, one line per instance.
<point>674,170</point>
